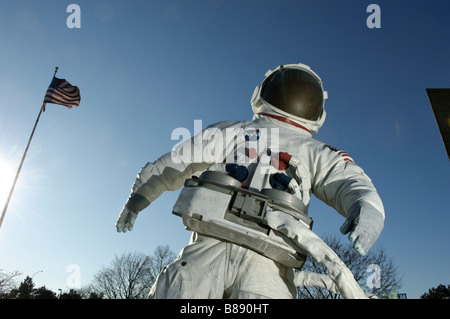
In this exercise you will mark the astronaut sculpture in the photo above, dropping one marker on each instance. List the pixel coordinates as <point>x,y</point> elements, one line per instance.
<point>247,187</point>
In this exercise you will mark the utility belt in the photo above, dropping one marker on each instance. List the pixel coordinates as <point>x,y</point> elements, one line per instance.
<point>216,205</point>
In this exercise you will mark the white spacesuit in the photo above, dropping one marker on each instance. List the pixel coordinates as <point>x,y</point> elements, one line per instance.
<point>234,251</point>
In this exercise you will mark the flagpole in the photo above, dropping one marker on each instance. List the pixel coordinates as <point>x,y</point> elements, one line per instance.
<point>21,162</point>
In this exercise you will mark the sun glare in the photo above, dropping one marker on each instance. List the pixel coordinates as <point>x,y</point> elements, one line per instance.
<point>6,179</point>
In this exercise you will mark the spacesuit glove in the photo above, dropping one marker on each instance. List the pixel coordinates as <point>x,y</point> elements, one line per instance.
<point>364,225</point>
<point>126,220</point>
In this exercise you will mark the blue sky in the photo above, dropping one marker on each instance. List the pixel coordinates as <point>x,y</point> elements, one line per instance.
<point>145,68</point>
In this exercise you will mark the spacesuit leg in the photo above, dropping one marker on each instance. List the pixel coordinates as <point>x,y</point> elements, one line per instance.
<point>213,269</point>
<point>195,274</point>
<point>262,278</point>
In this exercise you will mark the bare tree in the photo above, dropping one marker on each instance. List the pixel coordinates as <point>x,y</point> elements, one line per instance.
<point>375,272</point>
<point>7,282</point>
<point>128,277</point>
<point>131,275</point>
<point>160,259</point>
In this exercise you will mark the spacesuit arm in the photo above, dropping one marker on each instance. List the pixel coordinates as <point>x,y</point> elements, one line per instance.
<point>169,172</point>
<point>342,184</point>
<point>154,179</point>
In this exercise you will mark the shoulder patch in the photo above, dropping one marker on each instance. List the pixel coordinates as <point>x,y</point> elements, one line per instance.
<point>345,156</point>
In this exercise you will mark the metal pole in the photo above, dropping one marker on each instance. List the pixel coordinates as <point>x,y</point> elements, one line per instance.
<point>20,167</point>
<point>21,162</point>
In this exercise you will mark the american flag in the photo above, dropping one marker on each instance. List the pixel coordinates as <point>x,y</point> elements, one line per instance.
<point>63,93</point>
<point>346,157</point>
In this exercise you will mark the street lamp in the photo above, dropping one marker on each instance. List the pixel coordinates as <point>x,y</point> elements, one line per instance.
<point>36,273</point>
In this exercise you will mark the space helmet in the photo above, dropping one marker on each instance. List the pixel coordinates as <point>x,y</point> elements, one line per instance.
<point>293,92</point>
